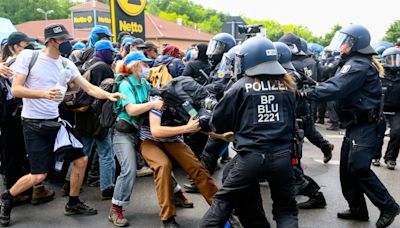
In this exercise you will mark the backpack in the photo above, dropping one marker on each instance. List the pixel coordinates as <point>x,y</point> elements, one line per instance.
<point>4,89</point>
<point>391,90</point>
<point>159,76</point>
<point>76,99</point>
<point>108,111</point>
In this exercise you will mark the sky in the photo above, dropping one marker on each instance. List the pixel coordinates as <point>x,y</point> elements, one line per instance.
<point>319,16</point>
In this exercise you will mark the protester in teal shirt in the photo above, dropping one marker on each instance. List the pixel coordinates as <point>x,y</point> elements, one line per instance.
<point>125,133</point>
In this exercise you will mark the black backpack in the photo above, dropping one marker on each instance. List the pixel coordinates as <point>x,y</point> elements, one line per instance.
<point>391,88</point>
<point>107,110</point>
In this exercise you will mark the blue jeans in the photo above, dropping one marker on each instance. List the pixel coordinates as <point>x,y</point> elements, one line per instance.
<point>106,159</point>
<point>124,145</point>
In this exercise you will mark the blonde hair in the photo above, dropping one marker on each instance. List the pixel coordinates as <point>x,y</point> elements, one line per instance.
<point>378,66</point>
<point>287,80</point>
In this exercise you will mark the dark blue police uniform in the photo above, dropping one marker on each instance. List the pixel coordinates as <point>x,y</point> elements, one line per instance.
<point>262,117</point>
<point>356,84</point>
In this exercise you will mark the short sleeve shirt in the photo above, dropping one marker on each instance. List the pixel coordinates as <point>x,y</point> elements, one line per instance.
<point>44,75</point>
<point>139,97</point>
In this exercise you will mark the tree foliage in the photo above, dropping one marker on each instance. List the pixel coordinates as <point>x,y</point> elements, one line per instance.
<point>393,32</point>
<point>19,11</point>
<point>193,15</point>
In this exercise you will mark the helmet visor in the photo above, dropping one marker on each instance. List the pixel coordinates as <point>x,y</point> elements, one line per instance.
<point>342,42</point>
<point>226,66</point>
<point>238,66</point>
<point>215,47</point>
<point>392,60</point>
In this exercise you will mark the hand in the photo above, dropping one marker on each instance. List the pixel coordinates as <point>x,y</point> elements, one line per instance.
<point>229,136</point>
<point>193,126</point>
<point>5,71</point>
<point>157,104</point>
<point>115,96</point>
<point>53,94</point>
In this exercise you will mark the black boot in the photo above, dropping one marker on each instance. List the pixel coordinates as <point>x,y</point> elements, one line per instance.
<point>315,201</point>
<point>328,153</point>
<point>387,217</point>
<point>360,214</point>
<point>333,127</point>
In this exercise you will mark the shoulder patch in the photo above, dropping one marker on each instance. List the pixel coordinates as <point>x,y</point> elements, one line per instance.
<point>345,69</point>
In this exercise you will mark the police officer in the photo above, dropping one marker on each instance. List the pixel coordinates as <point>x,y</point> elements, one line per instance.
<point>304,65</point>
<point>304,185</point>
<point>391,87</point>
<point>259,109</point>
<point>357,86</point>
<point>218,45</point>
<point>213,149</point>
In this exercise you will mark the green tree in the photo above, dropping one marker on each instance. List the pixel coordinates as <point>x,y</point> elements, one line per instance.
<point>393,32</point>
<point>25,10</point>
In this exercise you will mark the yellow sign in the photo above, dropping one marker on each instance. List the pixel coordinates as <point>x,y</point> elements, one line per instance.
<point>87,19</point>
<point>104,20</point>
<point>132,7</point>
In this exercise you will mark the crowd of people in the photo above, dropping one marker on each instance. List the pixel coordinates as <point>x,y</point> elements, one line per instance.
<point>110,112</point>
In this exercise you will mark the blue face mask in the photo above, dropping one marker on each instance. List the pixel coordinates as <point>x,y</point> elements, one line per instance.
<point>145,72</point>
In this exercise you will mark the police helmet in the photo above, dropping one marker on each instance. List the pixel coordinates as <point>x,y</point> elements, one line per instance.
<point>284,55</point>
<point>304,46</point>
<point>380,50</point>
<point>220,44</point>
<point>258,56</point>
<point>391,57</point>
<point>356,37</point>
<point>293,42</point>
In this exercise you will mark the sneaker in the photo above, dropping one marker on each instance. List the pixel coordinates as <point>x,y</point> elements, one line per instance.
<point>5,211</point>
<point>225,160</point>
<point>116,217</point>
<point>376,162</point>
<point>107,194</point>
<point>390,164</point>
<point>170,223</point>
<point>41,195</point>
<point>191,188</point>
<point>144,171</point>
<point>79,209</point>
<point>182,201</point>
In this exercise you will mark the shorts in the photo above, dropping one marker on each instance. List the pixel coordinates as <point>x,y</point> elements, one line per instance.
<point>40,137</point>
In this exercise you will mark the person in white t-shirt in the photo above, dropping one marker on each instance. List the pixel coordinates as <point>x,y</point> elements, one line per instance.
<point>42,89</point>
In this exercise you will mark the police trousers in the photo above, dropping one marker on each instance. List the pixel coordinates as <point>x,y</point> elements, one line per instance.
<point>313,135</point>
<point>241,191</point>
<point>393,148</point>
<point>356,177</point>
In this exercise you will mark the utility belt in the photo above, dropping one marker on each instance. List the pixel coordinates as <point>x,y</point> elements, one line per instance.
<point>367,116</point>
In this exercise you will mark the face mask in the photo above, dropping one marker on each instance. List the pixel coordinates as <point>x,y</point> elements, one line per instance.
<point>145,72</point>
<point>194,54</point>
<point>65,48</point>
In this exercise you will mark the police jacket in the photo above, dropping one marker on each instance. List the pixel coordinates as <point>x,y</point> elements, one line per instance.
<point>355,86</point>
<point>261,115</point>
<point>306,66</point>
<point>303,108</point>
<point>391,89</point>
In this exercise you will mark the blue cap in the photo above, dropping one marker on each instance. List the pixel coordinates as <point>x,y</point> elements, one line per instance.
<point>79,46</point>
<point>104,45</point>
<point>102,29</point>
<point>136,56</point>
<point>127,40</point>
<point>3,41</point>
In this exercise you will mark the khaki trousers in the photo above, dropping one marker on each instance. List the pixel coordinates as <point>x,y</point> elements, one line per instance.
<point>156,156</point>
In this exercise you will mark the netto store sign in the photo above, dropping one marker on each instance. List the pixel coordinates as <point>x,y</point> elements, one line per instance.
<point>89,19</point>
<point>128,16</point>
